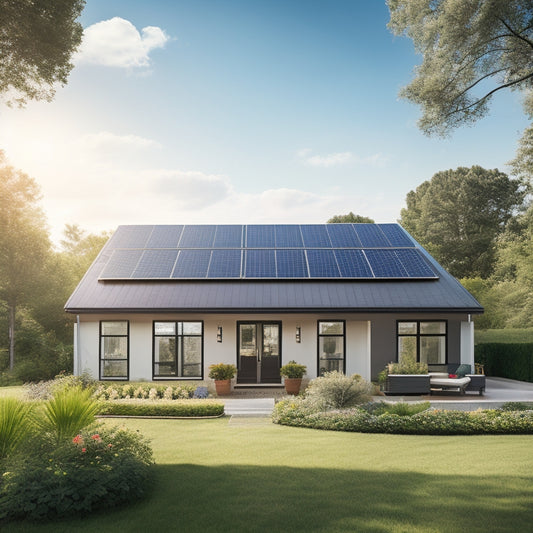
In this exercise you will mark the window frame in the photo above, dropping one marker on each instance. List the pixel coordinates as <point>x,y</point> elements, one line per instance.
<point>179,338</point>
<point>319,335</point>
<point>100,359</point>
<point>419,336</point>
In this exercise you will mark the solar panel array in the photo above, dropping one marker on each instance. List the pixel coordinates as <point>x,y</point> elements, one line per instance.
<point>316,251</point>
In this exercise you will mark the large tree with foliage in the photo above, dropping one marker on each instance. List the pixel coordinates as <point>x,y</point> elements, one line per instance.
<point>349,218</point>
<point>471,49</point>
<point>459,214</point>
<point>37,40</point>
<point>24,243</point>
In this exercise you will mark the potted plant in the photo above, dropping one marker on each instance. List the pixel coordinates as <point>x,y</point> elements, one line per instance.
<point>222,373</point>
<point>293,374</point>
<point>408,376</point>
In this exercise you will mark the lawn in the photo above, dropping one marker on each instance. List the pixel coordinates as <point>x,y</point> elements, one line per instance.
<point>251,475</point>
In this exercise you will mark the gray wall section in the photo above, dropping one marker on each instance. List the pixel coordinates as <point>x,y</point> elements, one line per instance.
<point>384,337</point>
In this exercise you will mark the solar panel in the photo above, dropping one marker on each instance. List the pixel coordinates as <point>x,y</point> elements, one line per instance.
<point>130,237</point>
<point>260,236</point>
<point>197,237</point>
<point>165,237</point>
<point>353,264</point>
<point>225,264</point>
<point>291,264</point>
<point>228,237</point>
<point>192,264</point>
<point>371,236</point>
<point>121,264</point>
<point>315,236</point>
<point>385,264</point>
<point>396,235</point>
<point>155,264</point>
<point>322,264</point>
<point>343,236</point>
<point>260,264</point>
<point>288,236</point>
<point>414,264</point>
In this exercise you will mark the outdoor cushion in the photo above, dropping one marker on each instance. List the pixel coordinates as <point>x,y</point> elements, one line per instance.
<point>447,382</point>
<point>463,370</point>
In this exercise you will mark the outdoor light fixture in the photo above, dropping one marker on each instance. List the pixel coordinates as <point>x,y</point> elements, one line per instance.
<point>219,334</point>
<point>298,334</point>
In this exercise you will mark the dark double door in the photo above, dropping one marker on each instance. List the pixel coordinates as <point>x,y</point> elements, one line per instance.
<point>258,352</point>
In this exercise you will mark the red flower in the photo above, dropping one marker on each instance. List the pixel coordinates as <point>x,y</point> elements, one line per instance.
<point>96,437</point>
<point>109,445</point>
<point>83,450</point>
<point>78,439</point>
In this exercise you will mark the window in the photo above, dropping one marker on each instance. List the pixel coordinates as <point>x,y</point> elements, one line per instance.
<point>114,349</point>
<point>424,341</point>
<point>331,342</point>
<point>178,350</point>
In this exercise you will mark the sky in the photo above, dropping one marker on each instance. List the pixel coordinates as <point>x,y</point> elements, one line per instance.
<point>252,111</point>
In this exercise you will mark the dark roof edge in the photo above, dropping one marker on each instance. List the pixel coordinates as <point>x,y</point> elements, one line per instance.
<point>283,310</point>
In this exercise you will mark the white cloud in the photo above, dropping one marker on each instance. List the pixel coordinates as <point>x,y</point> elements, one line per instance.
<point>107,139</point>
<point>117,43</point>
<point>340,158</point>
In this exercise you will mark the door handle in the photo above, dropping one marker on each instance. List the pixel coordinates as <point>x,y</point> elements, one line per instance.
<point>258,355</point>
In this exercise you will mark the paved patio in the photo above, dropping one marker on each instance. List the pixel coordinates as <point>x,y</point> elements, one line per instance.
<point>260,402</point>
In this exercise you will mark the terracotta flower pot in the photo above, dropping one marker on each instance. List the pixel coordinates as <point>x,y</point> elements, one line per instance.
<point>223,387</point>
<point>292,385</point>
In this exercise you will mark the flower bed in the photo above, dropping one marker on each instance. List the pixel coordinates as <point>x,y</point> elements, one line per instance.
<point>429,422</point>
<point>177,408</point>
<point>147,391</point>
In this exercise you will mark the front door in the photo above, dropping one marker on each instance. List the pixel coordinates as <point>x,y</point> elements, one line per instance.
<point>258,352</point>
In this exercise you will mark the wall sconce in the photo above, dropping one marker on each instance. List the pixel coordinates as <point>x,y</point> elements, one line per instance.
<point>219,334</point>
<point>298,334</point>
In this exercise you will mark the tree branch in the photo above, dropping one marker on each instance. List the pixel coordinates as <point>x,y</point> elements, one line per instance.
<point>515,33</point>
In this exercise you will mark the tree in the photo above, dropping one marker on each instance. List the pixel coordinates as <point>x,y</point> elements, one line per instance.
<point>459,214</point>
<point>471,49</point>
<point>349,218</point>
<point>24,242</point>
<point>37,40</point>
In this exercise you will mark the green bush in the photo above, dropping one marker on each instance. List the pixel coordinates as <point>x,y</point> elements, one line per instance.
<point>102,468</point>
<point>430,422</point>
<point>516,406</point>
<point>401,408</point>
<point>335,390</point>
<point>293,370</point>
<point>119,391</point>
<point>407,365</point>
<point>185,408</point>
<point>15,424</point>
<point>222,371</point>
<point>70,410</point>
<point>513,361</point>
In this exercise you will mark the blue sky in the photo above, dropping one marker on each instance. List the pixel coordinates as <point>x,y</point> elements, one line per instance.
<point>238,112</point>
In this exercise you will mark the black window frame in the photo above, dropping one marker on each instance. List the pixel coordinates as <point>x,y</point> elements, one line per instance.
<point>178,338</point>
<point>101,360</point>
<point>419,336</point>
<point>319,335</point>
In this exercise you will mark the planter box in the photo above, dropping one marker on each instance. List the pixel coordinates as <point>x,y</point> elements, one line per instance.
<point>477,383</point>
<point>408,384</point>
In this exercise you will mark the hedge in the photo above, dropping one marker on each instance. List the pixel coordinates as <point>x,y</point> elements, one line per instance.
<point>430,422</point>
<point>513,361</point>
<point>185,408</point>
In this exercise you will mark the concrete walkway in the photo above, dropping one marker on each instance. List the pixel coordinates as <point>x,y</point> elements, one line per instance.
<point>498,391</point>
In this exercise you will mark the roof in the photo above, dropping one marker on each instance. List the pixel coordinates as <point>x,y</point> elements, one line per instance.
<point>267,268</point>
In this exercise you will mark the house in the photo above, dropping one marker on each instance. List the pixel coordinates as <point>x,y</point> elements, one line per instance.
<point>165,302</point>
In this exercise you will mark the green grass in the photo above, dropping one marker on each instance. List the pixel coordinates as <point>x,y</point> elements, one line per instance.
<point>16,391</point>
<point>250,475</point>
<point>504,335</point>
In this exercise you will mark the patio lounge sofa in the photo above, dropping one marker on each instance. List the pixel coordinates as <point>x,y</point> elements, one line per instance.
<point>464,382</point>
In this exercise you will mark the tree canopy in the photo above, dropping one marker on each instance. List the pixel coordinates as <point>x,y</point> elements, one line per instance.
<point>37,40</point>
<point>459,214</point>
<point>349,218</point>
<point>471,49</point>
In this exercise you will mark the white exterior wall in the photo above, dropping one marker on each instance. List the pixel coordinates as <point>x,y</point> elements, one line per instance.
<point>140,341</point>
<point>467,343</point>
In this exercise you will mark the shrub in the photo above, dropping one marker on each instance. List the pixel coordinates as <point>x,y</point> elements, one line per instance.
<point>335,390</point>
<point>401,408</point>
<point>429,422</point>
<point>186,408</point>
<point>98,469</point>
<point>15,424</point>
<point>68,412</point>
<point>516,406</point>
<point>293,370</point>
<point>113,391</point>
<point>513,361</point>
<point>222,371</point>
<point>407,365</point>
